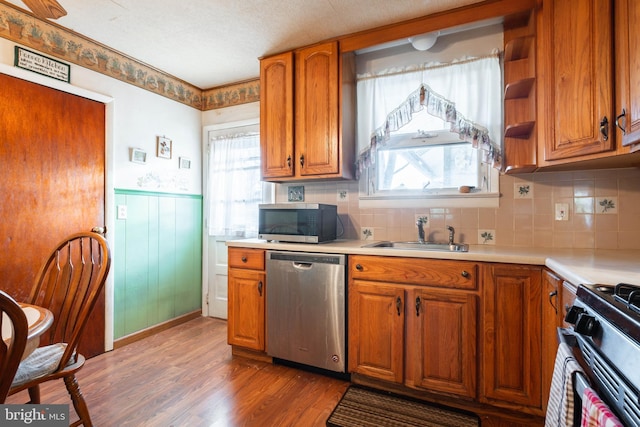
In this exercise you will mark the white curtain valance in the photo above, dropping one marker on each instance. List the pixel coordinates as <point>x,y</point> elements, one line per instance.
<point>475,84</point>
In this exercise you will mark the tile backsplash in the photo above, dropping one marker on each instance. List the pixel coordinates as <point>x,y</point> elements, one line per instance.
<point>580,209</point>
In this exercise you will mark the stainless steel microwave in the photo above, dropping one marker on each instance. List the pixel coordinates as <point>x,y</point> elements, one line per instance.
<point>298,222</point>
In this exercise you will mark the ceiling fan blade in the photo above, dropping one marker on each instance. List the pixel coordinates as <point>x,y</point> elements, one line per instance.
<point>45,9</point>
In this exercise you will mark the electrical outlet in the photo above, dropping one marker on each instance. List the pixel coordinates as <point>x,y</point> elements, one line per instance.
<point>296,193</point>
<point>122,212</point>
<point>562,212</point>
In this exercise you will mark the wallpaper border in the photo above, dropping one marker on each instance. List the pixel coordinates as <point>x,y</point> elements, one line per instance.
<point>47,37</point>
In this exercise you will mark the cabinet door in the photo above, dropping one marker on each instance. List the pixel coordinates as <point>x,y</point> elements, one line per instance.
<point>245,327</point>
<point>551,288</point>
<point>576,73</point>
<point>441,344</point>
<point>276,116</point>
<point>376,330</point>
<point>627,52</point>
<point>567,297</point>
<point>317,110</point>
<point>512,343</point>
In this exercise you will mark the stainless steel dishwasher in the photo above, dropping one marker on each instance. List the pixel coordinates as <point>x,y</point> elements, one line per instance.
<point>306,300</point>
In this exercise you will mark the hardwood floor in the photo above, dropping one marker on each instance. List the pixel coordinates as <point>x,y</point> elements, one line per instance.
<point>186,376</point>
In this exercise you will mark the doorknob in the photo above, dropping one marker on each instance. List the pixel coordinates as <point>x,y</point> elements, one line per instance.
<point>100,230</point>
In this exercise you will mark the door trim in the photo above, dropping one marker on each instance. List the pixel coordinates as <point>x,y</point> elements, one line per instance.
<point>109,196</point>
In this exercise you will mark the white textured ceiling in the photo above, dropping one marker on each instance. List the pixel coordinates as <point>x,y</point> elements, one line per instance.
<point>211,43</point>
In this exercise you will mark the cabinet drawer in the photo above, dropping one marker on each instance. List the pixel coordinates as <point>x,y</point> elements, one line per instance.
<point>417,271</point>
<point>252,259</point>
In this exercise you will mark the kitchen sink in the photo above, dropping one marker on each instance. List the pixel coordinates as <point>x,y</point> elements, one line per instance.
<point>426,246</point>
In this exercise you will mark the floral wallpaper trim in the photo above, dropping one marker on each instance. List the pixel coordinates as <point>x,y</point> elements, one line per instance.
<point>233,94</point>
<point>50,38</point>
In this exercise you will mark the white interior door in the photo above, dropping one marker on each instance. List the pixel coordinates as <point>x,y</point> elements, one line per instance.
<point>215,252</point>
<point>217,286</point>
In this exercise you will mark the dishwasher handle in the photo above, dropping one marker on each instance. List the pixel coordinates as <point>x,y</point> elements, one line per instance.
<point>303,265</point>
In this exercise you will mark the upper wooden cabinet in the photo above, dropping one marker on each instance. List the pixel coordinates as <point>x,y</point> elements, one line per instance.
<point>276,116</point>
<point>305,97</point>
<point>578,64</point>
<point>627,54</point>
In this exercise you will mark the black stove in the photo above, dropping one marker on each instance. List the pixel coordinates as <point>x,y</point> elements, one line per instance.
<point>606,325</point>
<point>618,304</point>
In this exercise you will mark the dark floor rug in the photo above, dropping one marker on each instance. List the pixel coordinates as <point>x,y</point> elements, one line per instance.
<point>362,407</point>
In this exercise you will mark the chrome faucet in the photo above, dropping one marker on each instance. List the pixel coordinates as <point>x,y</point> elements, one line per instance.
<point>419,223</point>
<point>451,234</point>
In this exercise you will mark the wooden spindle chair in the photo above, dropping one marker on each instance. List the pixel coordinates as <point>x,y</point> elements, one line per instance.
<point>69,284</point>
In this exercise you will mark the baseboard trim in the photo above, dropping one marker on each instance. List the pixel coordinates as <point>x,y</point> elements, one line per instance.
<point>152,330</point>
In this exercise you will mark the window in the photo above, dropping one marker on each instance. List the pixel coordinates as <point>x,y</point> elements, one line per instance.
<point>418,162</point>
<point>235,189</point>
<point>425,131</point>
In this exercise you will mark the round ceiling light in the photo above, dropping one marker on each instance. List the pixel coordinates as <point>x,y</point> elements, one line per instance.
<point>424,41</point>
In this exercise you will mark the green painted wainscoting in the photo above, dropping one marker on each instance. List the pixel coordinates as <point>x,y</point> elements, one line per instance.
<point>157,259</point>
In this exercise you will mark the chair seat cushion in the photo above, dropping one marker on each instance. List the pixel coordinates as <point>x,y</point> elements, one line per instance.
<point>43,361</point>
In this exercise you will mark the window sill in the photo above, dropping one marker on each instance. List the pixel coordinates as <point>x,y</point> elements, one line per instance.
<point>484,200</point>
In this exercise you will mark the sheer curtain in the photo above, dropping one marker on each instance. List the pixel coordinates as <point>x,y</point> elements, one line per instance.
<point>466,93</point>
<point>235,187</point>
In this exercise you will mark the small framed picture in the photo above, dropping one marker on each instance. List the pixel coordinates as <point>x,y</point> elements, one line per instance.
<point>138,155</point>
<point>185,163</point>
<point>164,149</point>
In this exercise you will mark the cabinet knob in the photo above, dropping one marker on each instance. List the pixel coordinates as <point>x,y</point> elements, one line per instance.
<point>243,259</point>
<point>260,285</point>
<point>418,304</point>
<point>302,160</point>
<point>289,162</point>
<point>359,267</point>
<point>399,305</point>
<point>464,274</point>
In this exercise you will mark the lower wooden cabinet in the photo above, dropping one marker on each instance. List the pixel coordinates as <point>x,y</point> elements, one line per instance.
<point>376,330</point>
<point>512,342</point>
<point>464,333</point>
<point>246,298</point>
<point>422,336</point>
<point>441,344</point>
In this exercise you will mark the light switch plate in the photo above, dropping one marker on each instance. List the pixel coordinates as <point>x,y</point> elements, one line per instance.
<point>296,193</point>
<point>562,212</point>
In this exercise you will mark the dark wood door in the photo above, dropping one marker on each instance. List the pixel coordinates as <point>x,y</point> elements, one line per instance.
<point>52,152</point>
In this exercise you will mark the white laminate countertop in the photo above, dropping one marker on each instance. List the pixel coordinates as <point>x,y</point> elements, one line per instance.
<point>574,265</point>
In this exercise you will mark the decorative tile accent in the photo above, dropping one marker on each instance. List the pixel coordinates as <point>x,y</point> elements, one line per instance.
<point>522,190</point>
<point>606,205</point>
<point>366,233</point>
<point>487,237</point>
<point>342,195</point>
<point>46,37</point>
